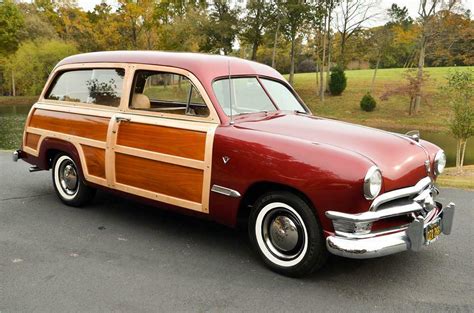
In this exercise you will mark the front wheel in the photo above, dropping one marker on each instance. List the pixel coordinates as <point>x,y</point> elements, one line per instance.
<point>286,233</point>
<point>68,184</point>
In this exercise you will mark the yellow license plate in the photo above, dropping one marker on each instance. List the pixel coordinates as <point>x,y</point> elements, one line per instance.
<point>433,230</point>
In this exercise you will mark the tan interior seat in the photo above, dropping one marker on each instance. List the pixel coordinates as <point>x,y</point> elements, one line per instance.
<point>140,101</point>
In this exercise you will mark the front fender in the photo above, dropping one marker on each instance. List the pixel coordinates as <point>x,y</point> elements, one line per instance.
<point>330,177</point>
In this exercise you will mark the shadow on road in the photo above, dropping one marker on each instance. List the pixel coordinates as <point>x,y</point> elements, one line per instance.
<point>212,236</point>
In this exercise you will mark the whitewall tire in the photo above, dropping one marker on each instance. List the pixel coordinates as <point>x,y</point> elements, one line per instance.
<point>68,183</point>
<point>284,230</point>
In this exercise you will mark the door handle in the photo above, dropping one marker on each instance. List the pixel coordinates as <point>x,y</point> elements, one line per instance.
<point>119,119</point>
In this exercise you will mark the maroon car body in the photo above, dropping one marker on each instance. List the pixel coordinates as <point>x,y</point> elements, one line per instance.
<point>320,161</point>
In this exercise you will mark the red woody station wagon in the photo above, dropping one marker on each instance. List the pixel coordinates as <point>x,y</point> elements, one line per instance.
<point>231,141</point>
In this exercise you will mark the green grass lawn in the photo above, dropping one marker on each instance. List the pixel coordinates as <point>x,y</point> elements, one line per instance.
<point>390,114</point>
<point>451,178</point>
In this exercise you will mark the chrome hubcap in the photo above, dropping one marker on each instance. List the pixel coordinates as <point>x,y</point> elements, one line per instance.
<point>68,177</point>
<point>283,234</point>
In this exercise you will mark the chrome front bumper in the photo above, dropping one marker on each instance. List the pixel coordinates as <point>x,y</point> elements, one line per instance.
<point>411,238</point>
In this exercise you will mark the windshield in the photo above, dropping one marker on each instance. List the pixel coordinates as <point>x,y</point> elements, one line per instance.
<point>248,96</point>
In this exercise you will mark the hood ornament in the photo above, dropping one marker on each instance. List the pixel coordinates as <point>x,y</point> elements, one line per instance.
<point>414,135</point>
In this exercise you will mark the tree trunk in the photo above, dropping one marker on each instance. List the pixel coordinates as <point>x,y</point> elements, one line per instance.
<point>419,76</point>
<point>342,61</point>
<point>275,45</point>
<point>254,51</point>
<point>375,73</point>
<point>458,154</point>
<point>292,60</point>
<point>317,75</point>
<point>321,70</point>
<point>412,105</point>
<point>13,84</point>
<point>328,67</point>
<point>463,152</point>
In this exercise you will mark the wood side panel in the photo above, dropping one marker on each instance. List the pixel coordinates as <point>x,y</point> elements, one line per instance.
<point>173,141</point>
<point>92,127</point>
<point>31,140</point>
<point>169,179</point>
<point>95,160</point>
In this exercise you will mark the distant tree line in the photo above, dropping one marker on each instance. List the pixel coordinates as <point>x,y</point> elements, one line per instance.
<point>292,36</point>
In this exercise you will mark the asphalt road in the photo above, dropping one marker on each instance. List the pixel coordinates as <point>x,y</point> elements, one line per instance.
<point>117,255</point>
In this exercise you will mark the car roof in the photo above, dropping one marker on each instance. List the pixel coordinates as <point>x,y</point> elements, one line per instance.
<point>206,67</point>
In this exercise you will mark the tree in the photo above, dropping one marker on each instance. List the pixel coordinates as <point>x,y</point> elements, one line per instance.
<point>337,81</point>
<point>33,62</point>
<point>132,21</point>
<point>36,26</point>
<point>410,89</point>
<point>383,37</point>
<point>296,14</point>
<point>399,16</point>
<point>257,18</point>
<point>457,44</point>
<point>460,88</point>
<point>330,5</point>
<point>184,32</point>
<point>106,24</point>
<point>221,28</point>
<point>426,12</point>
<point>352,14</point>
<point>11,22</point>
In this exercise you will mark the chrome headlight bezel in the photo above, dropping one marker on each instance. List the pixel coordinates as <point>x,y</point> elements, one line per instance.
<point>372,183</point>
<point>439,162</point>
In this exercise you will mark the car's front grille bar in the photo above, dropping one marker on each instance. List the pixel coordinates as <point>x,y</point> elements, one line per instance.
<point>400,193</point>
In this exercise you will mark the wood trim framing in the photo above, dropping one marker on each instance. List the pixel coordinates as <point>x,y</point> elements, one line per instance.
<point>79,125</point>
<point>147,129</point>
<point>159,177</point>
<point>162,143</point>
<point>166,140</point>
<point>213,116</point>
<point>95,160</point>
<point>32,140</point>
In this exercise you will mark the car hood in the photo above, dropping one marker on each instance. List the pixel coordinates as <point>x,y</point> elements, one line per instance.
<point>401,160</point>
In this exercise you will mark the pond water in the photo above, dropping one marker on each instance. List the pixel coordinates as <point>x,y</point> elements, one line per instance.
<point>12,119</point>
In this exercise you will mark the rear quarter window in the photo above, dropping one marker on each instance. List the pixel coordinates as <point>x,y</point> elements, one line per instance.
<point>92,86</point>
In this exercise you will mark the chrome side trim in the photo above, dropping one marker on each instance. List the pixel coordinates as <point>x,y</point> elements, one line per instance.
<point>400,193</point>
<point>225,191</point>
<point>375,215</point>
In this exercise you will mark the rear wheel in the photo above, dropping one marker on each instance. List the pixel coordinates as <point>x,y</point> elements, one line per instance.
<point>68,183</point>
<point>286,233</point>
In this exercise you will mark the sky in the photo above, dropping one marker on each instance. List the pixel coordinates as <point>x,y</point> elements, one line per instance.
<point>412,6</point>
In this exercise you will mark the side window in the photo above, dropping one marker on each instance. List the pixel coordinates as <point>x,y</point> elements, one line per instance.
<point>167,93</point>
<point>94,86</point>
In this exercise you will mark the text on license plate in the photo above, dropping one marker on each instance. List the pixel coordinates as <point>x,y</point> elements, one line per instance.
<point>433,230</point>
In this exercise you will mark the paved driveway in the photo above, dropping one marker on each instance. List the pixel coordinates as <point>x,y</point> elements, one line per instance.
<point>116,255</point>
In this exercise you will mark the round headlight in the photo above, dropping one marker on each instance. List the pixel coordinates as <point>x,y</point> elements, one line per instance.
<point>439,162</point>
<point>372,183</point>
